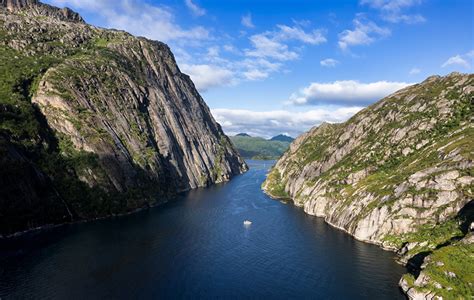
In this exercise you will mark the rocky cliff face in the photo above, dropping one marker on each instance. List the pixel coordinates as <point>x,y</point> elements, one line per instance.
<point>95,122</point>
<point>397,174</point>
<point>38,9</point>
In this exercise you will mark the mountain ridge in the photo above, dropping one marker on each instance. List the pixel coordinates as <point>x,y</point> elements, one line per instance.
<point>397,174</point>
<point>282,138</point>
<point>36,8</point>
<point>96,123</point>
<point>258,147</point>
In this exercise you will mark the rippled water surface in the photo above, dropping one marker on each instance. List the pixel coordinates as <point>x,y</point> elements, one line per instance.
<point>197,246</point>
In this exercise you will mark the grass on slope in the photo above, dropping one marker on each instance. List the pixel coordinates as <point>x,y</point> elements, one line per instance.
<point>259,148</point>
<point>24,128</point>
<point>450,271</point>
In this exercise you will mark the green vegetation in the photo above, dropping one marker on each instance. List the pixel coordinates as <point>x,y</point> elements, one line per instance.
<point>427,237</point>
<point>453,268</point>
<point>391,158</point>
<point>59,183</point>
<point>282,138</point>
<point>259,148</point>
<point>275,186</point>
<point>449,272</point>
<point>19,77</point>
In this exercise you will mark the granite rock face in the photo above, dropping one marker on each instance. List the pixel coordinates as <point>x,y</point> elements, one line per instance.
<point>398,174</point>
<point>36,8</point>
<point>96,122</point>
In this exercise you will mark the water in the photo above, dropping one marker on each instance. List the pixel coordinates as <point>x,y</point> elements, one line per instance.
<point>197,246</point>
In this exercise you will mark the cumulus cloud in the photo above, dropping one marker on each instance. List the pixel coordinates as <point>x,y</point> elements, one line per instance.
<point>392,10</point>
<point>329,62</point>
<point>208,76</point>
<point>464,60</point>
<point>364,33</point>
<point>139,18</point>
<point>271,123</point>
<point>194,8</point>
<point>208,65</point>
<point>344,92</point>
<point>247,21</point>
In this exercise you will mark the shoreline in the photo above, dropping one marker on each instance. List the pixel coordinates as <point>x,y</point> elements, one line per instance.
<point>380,245</point>
<point>45,227</point>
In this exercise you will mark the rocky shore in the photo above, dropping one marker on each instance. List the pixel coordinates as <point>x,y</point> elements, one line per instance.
<point>398,174</point>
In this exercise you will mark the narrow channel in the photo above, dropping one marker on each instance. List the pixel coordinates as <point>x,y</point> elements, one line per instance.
<point>198,246</point>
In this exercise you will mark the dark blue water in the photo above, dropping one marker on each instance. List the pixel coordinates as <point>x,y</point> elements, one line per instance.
<point>197,246</point>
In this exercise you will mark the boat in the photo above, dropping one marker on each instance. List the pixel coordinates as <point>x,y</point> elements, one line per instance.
<point>247,222</point>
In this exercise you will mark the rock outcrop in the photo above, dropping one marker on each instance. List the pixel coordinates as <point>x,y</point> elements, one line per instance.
<point>397,174</point>
<point>96,122</point>
<point>39,9</point>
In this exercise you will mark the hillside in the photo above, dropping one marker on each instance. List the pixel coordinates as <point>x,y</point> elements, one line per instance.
<point>398,174</point>
<point>259,148</point>
<point>95,122</point>
<point>282,138</point>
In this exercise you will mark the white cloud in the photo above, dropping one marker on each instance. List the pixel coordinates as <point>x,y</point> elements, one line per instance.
<point>392,10</point>
<point>414,71</point>
<point>408,19</point>
<point>139,18</point>
<point>247,21</point>
<point>209,63</point>
<point>208,76</point>
<point>231,49</point>
<point>258,69</point>
<point>195,9</point>
<point>265,46</point>
<point>329,62</point>
<point>213,51</point>
<point>346,91</point>
<point>391,5</point>
<point>460,60</point>
<point>255,74</point>
<point>271,123</point>
<point>302,23</point>
<point>364,33</point>
<point>273,44</point>
<point>315,37</point>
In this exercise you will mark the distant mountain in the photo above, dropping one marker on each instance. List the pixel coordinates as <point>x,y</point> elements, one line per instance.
<point>242,134</point>
<point>282,138</point>
<point>259,148</point>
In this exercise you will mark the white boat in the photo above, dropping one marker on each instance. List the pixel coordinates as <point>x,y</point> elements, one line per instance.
<point>247,222</point>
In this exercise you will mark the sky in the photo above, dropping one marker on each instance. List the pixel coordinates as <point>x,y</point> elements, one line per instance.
<point>283,66</point>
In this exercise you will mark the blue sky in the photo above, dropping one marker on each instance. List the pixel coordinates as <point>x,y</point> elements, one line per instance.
<point>269,67</point>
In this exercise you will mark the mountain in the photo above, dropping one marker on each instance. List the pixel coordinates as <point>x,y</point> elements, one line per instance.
<point>95,122</point>
<point>242,134</point>
<point>282,138</point>
<point>259,148</point>
<point>398,174</point>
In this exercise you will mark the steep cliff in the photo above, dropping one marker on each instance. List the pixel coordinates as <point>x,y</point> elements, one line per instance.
<point>95,122</point>
<point>398,174</point>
